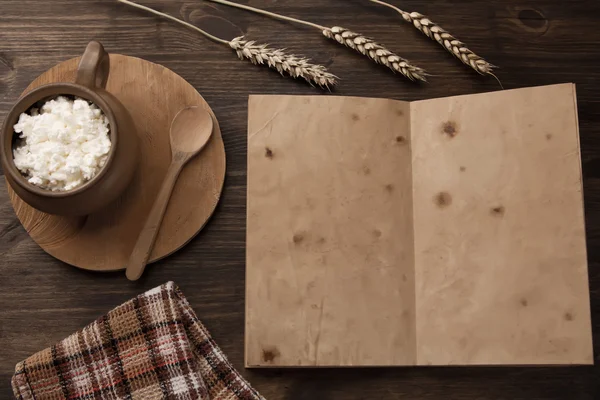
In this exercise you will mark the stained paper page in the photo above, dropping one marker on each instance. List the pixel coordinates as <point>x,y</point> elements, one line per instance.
<point>329,243</point>
<point>500,255</point>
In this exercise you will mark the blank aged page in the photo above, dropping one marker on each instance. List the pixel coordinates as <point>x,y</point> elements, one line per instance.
<point>500,255</point>
<point>329,237</point>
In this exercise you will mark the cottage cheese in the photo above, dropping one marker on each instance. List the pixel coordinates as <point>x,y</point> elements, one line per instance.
<point>64,144</point>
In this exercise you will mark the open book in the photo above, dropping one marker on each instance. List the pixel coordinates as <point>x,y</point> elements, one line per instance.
<point>438,232</point>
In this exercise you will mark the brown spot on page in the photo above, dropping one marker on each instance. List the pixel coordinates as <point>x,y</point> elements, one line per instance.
<point>443,199</point>
<point>355,117</point>
<point>449,128</point>
<point>400,139</point>
<point>498,211</point>
<point>366,170</point>
<point>298,237</point>
<point>568,316</point>
<point>389,188</point>
<point>524,302</point>
<point>269,355</point>
<point>268,152</point>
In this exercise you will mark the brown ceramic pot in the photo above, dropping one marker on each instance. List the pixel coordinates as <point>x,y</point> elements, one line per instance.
<point>118,171</point>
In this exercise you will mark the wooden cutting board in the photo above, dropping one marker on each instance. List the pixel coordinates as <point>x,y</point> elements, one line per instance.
<point>440,232</point>
<point>103,241</point>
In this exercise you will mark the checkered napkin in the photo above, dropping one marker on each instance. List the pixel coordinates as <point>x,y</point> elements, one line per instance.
<point>151,347</point>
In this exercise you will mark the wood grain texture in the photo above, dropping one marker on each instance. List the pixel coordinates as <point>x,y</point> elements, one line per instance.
<point>104,241</point>
<point>43,300</point>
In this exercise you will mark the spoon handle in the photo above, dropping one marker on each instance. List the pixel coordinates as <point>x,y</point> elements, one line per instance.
<point>145,242</point>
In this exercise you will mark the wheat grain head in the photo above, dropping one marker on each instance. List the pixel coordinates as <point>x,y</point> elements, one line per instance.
<point>285,64</point>
<point>375,52</point>
<point>449,42</point>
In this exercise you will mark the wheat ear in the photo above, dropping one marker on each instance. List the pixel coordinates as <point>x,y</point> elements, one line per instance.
<point>446,40</point>
<point>261,54</point>
<point>355,41</point>
<point>290,64</point>
<point>375,52</point>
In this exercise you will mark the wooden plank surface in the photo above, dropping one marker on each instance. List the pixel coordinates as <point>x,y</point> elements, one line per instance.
<point>500,253</point>
<point>330,254</point>
<point>535,43</point>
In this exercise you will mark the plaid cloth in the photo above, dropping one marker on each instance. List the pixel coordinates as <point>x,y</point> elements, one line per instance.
<point>151,347</point>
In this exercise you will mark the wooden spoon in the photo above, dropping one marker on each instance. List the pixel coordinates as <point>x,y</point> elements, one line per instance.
<point>190,131</point>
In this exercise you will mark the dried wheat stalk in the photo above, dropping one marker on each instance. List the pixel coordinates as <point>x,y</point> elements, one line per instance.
<point>296,67</point>
<point>355,41</point>
<point>375,52</point>
<point>261,54</point>
<point>449,42</point>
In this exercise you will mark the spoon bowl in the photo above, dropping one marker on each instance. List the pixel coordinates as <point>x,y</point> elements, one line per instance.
<point>191,130</point>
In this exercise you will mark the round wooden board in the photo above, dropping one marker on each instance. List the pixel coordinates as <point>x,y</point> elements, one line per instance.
<point>103,241</point>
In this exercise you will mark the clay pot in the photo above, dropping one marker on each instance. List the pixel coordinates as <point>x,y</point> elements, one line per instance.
<point>113,178</point>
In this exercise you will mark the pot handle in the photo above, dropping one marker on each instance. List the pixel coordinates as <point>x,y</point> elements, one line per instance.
<point>94,67</point>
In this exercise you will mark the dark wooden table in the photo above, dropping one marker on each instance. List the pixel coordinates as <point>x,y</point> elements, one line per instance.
<point>535,42</point>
